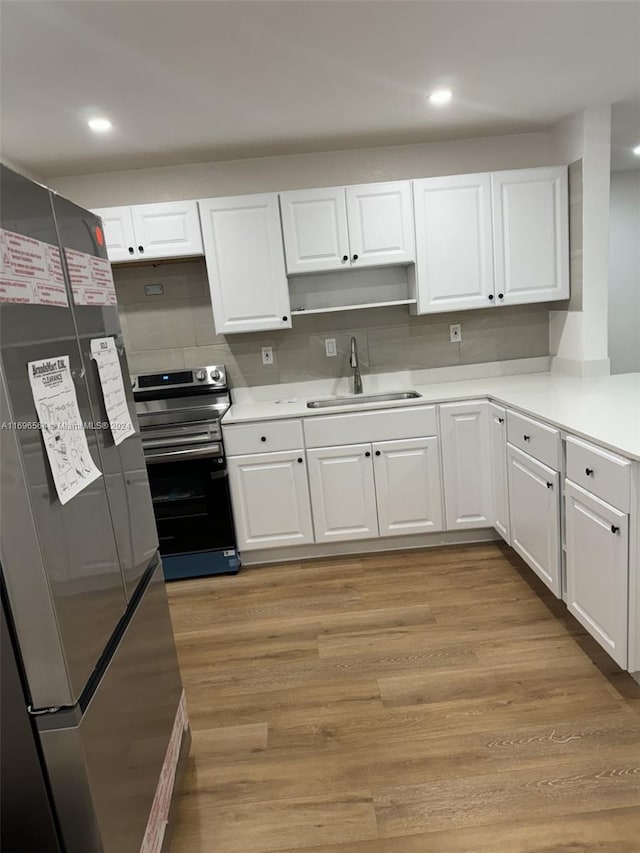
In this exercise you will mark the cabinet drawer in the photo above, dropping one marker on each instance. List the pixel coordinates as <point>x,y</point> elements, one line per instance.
<point>600,472</point>
<point>535,438</point>
<point>381,425</point>
<point>262,437</point>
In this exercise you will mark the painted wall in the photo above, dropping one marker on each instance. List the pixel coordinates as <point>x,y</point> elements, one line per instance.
<point>176,330</point>
<point>327,168</point>
<point>624,272</point>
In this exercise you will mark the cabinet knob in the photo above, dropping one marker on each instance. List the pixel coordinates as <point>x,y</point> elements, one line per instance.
<point>491,297</point>
<point>501,296</point>
<point>377,453</point>
<point>549,485</point>
<point>615,528</point>
<point>354,258</point>
<point>131,250</point>
<point>141,249</point>
<point>500,420</point>
<point>263,438</point>
<point>300,459</point>
<point>588,472</point>
<point>345,258</point>
<point>527,437</point>
<point>285,318</point>
<point>367,453</point>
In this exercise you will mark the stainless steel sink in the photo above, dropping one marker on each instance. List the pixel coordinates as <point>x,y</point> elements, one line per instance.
<point>362,398</point>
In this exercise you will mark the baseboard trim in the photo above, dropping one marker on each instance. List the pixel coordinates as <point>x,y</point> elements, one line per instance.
<point>367,546</point>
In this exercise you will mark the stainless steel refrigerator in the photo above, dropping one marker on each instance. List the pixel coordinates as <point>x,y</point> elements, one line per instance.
<point>95,725</point>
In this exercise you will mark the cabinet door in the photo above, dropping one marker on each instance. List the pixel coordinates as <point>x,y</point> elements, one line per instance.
<point>499,480</point>
<point>454,251</point>
<point>270,498</point>
<point>314,225</point>
<point>534,499</point>
<point>119,236</point>
<point>464,434</point>
<point>343,495</point>
<point>408,486</point>
<point>531,235</point>
<point>168,230</point>
<point>381,229</point>
<point>245,263</point>
<point>598,569</point>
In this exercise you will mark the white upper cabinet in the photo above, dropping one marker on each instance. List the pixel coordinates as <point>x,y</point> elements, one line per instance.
<point>534,498</point>
<point>245,263</point>
<point>464,434</point>
<point>380,218</point>
<point>408,486</point>
<point>531,235</point>
<point>336,228</point>
<point>119,237</point>
<point>152,231</point>
<point>167,230</point>
<point>454,251</point>
<point>314,225</point>
<point>499,480</point>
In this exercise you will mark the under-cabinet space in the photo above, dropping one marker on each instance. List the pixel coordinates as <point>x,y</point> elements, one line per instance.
<point>349,289</point>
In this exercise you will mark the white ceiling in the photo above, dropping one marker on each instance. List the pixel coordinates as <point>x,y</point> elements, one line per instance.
<point>191,81</point>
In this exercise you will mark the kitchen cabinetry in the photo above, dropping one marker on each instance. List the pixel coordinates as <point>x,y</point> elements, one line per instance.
<point>464,433</point>
<point>151,231</point>
<point>336,228</point>
<point>496,238</point>
<point>454,249</point>
<point>499,477</point>
<point>531,235</point>
<point>597,569</point>
<point>245,263</point>
<point>534,502</point>
<point>270,496</point>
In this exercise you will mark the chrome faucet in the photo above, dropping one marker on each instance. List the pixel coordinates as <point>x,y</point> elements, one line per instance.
<point>353,361</point>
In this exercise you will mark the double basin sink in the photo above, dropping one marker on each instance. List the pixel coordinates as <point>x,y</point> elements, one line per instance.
<point>362,399</point>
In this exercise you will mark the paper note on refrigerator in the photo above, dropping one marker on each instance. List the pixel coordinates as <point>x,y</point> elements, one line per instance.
<point>105,354</point>
<point>62,428</point>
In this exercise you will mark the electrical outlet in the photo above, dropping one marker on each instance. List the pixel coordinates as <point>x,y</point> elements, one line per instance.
<point>330,348</point>
<point>455,332</point>
<point>267,355</point>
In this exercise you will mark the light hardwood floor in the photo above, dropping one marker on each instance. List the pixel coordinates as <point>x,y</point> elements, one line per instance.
<point>436,701</point>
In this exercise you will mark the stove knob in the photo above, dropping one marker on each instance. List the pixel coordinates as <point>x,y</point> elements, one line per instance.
<point>215,375</point>
<point>201,375</point>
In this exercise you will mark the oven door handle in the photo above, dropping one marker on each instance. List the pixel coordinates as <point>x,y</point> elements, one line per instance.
<point>189,453</point>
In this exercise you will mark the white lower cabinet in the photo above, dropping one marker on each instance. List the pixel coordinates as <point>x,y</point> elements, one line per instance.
<point>270,498</point>
<point>534,498</point>
<point>598,569</point>
<point>408,486</point>
<point>499,478</point>
<point>464,433</point>
<point>342,493</point>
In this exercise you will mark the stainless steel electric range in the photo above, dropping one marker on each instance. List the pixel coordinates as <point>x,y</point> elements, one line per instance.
<point>179,413</point>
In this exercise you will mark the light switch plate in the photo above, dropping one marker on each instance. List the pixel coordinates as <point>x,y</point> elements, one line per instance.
<point>455,331</point>
<point>330,348</point>
<point>267,355</point>
<point>154,290</point>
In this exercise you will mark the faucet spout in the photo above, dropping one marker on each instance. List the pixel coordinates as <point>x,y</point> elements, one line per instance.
<point>353,361</point>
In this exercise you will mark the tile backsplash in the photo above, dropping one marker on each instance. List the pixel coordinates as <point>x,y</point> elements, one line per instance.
<point>176,330</point>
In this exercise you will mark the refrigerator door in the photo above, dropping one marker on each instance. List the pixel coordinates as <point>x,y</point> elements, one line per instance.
<point>123,465</point>
<point>60,563</point>
<point>104,770</point>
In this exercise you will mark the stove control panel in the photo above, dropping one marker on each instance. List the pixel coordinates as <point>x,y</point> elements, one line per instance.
<point>213,376</point>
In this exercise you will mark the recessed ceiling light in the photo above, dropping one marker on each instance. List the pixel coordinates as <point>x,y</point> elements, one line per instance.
<point>636,150</point>
<point>99,124</point>
<point>440,97</point>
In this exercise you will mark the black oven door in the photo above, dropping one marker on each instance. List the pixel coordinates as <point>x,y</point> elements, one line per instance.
<point>191,502</point>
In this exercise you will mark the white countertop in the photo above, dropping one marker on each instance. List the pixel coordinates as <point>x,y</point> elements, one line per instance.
<point>604,409</point>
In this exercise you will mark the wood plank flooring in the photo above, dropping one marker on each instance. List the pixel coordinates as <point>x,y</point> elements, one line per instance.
<point>439,701</point>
